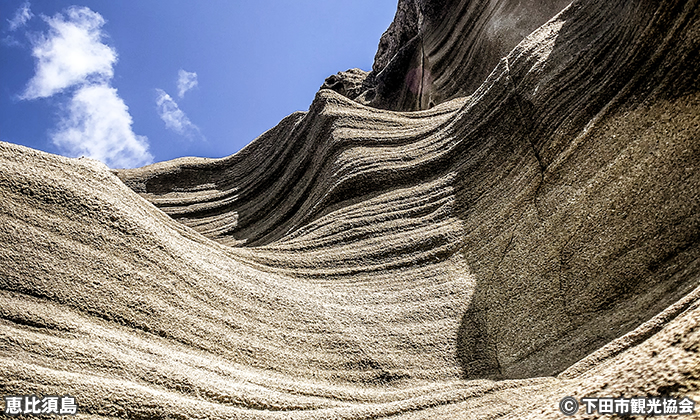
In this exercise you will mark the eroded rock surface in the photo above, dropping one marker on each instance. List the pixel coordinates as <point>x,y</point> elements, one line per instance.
<point>437,50</point>
<point>530,233</point>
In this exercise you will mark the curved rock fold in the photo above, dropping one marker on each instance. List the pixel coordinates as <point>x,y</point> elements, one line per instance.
<point>504,212</point>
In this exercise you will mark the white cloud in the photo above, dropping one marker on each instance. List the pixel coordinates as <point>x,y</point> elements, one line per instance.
<point>72,54</point>
<point>22,16</point>
<point>96,122</point>
<point>98,125</point>
<point>173,117</point>
<point>185,82</point>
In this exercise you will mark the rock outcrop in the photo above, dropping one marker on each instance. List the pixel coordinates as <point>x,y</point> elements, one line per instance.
<point>435,51</point>
<point>530,230</point>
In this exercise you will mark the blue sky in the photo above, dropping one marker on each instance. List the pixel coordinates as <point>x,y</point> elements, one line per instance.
<point>135,82</point>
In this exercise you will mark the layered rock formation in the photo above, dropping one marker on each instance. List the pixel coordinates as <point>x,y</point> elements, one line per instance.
<point>435,51</point>
<point>528,231</point>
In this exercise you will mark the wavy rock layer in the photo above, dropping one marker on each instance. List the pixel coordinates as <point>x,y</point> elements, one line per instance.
<point>435,51</point>
<point>484,257</point>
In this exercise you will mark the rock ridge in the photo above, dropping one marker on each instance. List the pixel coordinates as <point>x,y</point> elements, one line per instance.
<point>520,226</point>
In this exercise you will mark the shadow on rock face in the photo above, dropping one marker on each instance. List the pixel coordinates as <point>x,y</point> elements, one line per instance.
<point>423,41</point>
<point>600,229</point>
<point>476,351</point>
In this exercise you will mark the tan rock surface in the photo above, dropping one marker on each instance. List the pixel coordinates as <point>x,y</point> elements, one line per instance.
<point>482,258</point>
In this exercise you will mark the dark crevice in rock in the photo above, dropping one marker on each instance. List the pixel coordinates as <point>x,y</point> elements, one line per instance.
<point>477,33</point>
<point>527,118</point>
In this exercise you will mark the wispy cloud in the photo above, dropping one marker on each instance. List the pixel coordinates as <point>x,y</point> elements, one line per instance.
<point>97,124</point>
<point>173,117</point>
<point>185,82</point>
<point>72,53</point>
<point>21,17</point>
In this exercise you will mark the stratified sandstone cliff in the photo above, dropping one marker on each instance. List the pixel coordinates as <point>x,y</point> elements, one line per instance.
<point>528,231</point>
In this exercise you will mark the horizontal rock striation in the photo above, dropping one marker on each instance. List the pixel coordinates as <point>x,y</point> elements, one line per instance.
<point>524,233</point>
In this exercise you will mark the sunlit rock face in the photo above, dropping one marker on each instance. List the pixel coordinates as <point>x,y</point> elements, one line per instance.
<point>528,231</point>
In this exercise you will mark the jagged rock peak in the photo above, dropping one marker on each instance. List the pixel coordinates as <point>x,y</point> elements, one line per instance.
<point>435,51</point>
